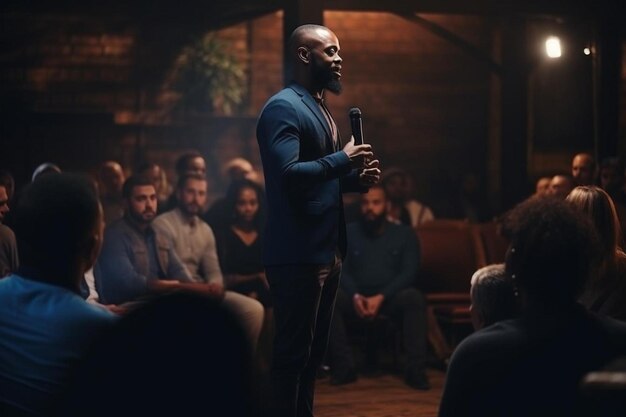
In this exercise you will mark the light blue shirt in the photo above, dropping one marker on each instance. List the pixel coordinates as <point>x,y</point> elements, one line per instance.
<point>44,331</point>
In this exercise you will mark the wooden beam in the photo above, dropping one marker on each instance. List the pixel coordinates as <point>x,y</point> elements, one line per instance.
<point>477,7</point>
<point>455,40</point>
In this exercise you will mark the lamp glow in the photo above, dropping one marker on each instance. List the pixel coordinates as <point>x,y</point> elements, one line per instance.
<point>587,51</point>
<point>553,47</point>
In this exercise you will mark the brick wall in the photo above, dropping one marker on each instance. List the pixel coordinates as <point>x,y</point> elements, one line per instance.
<point>71,88</point>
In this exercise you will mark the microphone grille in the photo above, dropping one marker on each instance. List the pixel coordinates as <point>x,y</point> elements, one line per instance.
<point>355,112</point>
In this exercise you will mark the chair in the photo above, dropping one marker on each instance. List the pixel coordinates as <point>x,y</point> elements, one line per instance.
<point>451,251</point>
<point>493,242</point>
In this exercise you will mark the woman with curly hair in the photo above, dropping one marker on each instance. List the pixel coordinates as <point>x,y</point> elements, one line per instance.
<point>605,293</point>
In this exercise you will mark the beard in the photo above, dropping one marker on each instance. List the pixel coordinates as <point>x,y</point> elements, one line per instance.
<point>324,76</point>
<point>371,223</point>
<point>191,209</point>
<point>334,85</point>
<point>144,217</point>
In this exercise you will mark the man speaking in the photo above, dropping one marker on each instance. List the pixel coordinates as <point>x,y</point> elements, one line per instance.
<point>306,170</point>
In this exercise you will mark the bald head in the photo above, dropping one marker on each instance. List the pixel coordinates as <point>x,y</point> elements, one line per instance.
<point>583,169</point>
<point>314,52</point>
<point>560,186</point>
<point>309,36</point>
<point>112,178</point>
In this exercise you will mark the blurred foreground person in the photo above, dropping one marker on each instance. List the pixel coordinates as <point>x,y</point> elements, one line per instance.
<point>45,325</point>
<point>605,292</point>
<point>533,366</point>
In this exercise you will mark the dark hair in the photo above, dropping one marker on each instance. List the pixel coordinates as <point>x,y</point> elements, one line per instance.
<point>553,249</point>
<point>183,161</point>
<point>379,186</point>
<point>232,195</point>
<point>53,219</point>
<point>135,181</point>
<point>182,180</point>
<point>147,166</point>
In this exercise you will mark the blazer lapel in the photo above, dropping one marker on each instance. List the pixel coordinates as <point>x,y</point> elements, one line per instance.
<point>314,108</point>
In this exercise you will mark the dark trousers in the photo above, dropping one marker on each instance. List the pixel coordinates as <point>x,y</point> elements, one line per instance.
<point>407,306</point>
<point>303,297</point>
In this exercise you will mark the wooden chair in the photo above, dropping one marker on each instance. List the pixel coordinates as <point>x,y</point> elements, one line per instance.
<point>451,251</point>
<point>494,244</point>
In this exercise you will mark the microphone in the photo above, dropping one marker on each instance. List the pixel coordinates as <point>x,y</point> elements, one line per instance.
<point>357,125</point>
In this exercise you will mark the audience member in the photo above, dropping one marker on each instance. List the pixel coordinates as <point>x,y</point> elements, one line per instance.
<point>493,296</point>
<point>8,246</point>
<point>542,186</point>
<point>44,169</point>
<point>111,179</point>
<point>560,186</point>
<point>237,169</point>
<point>7,180</point>
<point>45,326</point>
<point>240,253</point>
<point>194,243</point>
<point>583,169</point>
<point>160,360</point>
<point>532,366</point>
<point>612,181</point>
<point>470,201</point>
<point>378,278</point>
<point>191,162</point>
<point>158,176</point>
<point>605,292</point>
<point>612,177</point>
<point>239,241</point>
<point>401,207</point>
<point>136,260</point>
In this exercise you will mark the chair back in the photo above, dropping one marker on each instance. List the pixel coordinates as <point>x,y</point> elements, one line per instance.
<point>493,242</point>
<point>451,251</point>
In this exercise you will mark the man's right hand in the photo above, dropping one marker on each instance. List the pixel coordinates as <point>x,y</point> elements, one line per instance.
<point>358,153</point>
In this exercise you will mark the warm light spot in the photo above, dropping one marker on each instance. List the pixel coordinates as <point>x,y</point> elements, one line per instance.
<point>553,47</point>
<point>587,51</point>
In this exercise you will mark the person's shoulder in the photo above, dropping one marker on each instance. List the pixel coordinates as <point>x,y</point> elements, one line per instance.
<point>117,226</point>
<point>6,232</point>
<point>491,340</point>
<point>164,220</point>
<point>287,94</point>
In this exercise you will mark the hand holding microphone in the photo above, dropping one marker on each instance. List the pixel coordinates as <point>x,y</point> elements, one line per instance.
<point>369,168</point>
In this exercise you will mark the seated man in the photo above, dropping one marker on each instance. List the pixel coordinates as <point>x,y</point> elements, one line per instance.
<point>533,366</point>
<point>493,296</point>
<point>136,260</point>
<point>378,276</point>
<point>45,326</point>
<point>194,243</point>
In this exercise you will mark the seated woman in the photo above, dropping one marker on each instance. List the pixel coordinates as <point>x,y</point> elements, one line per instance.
<point>605,293</point>
<point>239,242</point>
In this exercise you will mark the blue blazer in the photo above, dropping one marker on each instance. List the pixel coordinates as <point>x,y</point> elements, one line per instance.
<point>305,175</point>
